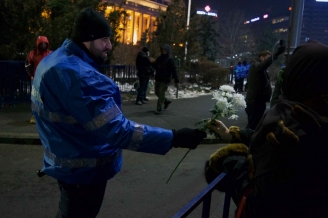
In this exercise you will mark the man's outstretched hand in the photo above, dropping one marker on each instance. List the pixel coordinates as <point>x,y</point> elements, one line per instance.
<point>187,138</point>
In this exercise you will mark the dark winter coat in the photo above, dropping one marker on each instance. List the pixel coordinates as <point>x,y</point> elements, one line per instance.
<point>259,88</point>
<point>165,67</point>
<point>143,65</point>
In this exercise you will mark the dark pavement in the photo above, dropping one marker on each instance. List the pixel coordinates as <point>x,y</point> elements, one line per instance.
<point>184,112</point>
<point>139,190</point>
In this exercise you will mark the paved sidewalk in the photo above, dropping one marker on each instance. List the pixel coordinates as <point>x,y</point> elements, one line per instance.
<point>185,112</point>
<point>139,190</point>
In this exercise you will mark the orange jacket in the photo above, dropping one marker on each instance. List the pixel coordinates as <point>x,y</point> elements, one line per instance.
<point>35,56</point>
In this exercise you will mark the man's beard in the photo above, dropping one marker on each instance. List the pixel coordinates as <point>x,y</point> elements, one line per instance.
<point>97,56</point>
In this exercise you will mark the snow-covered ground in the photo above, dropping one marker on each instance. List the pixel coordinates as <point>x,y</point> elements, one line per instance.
<point>189,91</point>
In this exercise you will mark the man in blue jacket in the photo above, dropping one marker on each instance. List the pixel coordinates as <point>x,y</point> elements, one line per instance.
<point>239,77</point>
<point>80,121</point>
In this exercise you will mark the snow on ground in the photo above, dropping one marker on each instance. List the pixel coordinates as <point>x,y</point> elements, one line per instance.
<point>189,91</point>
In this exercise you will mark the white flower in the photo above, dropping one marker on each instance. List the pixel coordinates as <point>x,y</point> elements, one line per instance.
<point>239,100</point>
<point>233,117</point>
<point>228,95</point>
<point>227,88</point>
<point>227,102</point>
<point>216,95</point>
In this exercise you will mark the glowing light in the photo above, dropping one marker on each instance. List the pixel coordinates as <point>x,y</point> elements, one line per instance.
<point>255,19</point>
<point>45,14</point>
<point>135,37</point>
<point>108,10</point>
<point>207,8</point>
<point>207,13</point>
<point>265,16</point>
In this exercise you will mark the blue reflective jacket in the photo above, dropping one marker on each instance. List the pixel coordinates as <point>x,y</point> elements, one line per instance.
<point>80,122</point>
<point>240,71</point>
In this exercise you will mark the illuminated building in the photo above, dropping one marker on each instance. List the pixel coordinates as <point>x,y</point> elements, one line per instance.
<point>207,11</point>
<point>141,17</point>
<point>278,25</point>
<point>315,21</point>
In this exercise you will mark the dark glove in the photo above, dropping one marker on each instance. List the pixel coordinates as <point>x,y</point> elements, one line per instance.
<point>280,50</point>
<point>187,138</point>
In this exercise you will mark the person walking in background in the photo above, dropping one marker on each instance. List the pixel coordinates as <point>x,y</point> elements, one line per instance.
<point>259,88</point>
<point>145,70</point>
<point>245,75</point>
<point>166,69</point>
<point>80,120</point>
<point>34,57</point>
<point>237,70</point>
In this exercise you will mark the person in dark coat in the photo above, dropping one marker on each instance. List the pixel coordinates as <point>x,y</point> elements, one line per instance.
<point>145,70</point>
<point>277,88</point>
<point>238,69</point>
<point>166,69</point>
<point>259,88</point>
<point>280,169</point>
<point>245,74</point>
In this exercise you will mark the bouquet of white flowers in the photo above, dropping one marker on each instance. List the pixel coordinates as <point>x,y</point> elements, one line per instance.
<point>226,104</point>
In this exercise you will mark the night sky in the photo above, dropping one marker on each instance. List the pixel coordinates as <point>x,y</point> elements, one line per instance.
<point>252,8</point>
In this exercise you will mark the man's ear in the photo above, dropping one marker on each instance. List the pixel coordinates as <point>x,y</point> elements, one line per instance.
<point>87,44</point>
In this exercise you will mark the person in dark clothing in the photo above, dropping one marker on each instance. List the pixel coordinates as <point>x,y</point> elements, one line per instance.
<point>238,69</point>
<point>259,88</point>
<point>145,70</point>
<point>245,75</point>
<point>277,88</point>
<point>280,169</point>
<point>166,69</point>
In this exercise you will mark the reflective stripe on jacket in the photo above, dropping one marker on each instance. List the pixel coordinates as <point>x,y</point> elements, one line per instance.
<point>80,121</point>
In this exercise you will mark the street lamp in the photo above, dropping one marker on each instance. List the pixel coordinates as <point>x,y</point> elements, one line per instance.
<point>188,19</point>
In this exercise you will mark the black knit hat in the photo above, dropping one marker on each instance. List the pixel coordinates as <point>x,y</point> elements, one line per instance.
<point>90,25</point>
<point>145,49</point>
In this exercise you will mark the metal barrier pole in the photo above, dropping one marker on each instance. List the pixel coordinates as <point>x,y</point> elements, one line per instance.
<point>207,206</point>
<point>201,197</point>
<point>226,205</point>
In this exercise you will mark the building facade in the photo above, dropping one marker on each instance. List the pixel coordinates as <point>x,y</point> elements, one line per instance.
<point>315,21</point>
<point>140,17</point>
<point>278,24</point>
